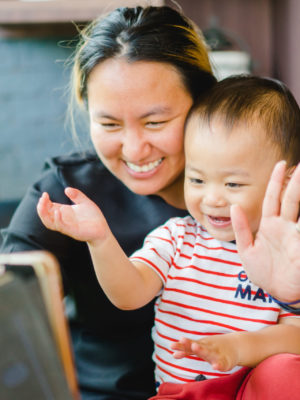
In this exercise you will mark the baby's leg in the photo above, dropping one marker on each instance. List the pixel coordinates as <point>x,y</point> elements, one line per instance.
<point>225,388</point>
<point>277,377</point>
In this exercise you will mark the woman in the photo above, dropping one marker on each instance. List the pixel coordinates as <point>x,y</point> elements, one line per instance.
<point>137,72</point>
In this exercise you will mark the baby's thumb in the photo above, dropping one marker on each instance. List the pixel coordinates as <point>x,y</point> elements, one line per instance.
<point>241,228</point>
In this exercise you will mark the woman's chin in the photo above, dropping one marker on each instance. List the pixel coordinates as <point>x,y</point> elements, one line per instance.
<point>143,188</point>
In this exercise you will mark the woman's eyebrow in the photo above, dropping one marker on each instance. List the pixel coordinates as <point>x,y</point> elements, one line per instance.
<point>102,114</point>
<point>156,110</point>
<point>153,111</point>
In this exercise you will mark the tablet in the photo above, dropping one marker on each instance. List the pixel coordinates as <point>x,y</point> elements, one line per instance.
<point>36,356</point>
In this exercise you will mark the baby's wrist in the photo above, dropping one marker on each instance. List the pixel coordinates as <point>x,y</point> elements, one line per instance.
<point>100,241</point>
<point>290,306</point>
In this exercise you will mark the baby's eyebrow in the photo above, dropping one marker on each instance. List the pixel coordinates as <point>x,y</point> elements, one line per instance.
<point>233,171</point>
<point>192,169</point>
<point>225,172</point>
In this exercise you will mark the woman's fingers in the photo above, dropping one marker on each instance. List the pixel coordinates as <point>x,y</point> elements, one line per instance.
<point>291,197</point>
<point>243,234</point>
<point>271,203</point>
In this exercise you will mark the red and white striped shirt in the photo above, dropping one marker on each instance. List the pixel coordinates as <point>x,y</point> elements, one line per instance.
<point>206,292</point>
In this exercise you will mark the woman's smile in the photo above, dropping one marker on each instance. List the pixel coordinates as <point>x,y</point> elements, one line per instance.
<point>143,169</point>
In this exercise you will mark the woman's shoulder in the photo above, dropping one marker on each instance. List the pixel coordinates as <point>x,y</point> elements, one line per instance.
<point>73,160</point>
<point>81,170</point>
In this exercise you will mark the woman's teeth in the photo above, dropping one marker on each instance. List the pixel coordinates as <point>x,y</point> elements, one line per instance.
<point>145,167</point>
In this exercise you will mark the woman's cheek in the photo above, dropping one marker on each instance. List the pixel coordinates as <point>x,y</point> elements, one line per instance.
<point>105,145</point>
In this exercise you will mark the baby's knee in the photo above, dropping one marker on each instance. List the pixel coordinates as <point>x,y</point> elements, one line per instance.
<point>277,377</point>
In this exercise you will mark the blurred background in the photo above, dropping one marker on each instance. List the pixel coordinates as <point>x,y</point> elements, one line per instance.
<point>37,38</point>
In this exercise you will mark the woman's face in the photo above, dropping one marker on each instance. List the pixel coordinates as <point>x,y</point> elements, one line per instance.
<point>137,114</point>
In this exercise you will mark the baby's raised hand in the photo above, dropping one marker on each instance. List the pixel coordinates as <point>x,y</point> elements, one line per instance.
<point>218,350</point>
<point>271,259</point>
<point>82,221</point>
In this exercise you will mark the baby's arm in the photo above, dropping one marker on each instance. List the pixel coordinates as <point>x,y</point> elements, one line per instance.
<point>128,285</point>
<point>226,351</point>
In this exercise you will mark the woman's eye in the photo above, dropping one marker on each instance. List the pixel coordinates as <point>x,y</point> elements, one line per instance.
<point>154,124</point>
<point>109,125</point>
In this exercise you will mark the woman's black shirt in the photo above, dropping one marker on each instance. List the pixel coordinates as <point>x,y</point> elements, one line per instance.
<point>113,348</point>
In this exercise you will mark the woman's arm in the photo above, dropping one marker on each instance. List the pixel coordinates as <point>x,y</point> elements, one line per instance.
<point>246,349</point>
<point>128,285</point>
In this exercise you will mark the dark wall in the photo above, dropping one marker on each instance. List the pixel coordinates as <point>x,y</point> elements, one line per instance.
<point>270,29</point>
<point>286,43</point>
<point>33,103</point>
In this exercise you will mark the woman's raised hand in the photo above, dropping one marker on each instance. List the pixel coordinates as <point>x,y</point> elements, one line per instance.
<point>82,221</point>
<point>272,259</point>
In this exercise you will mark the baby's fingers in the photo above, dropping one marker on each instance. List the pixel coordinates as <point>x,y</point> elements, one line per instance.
<point>240,224</point>
<point>200,350</point>
<point>218,361</point>
<point>43,202</point>
<point>76,196</point>
<point>51,213</point>
<point>182,348</point>
<point>291,197</point>
<point>271,202</point>
<point>179,354</point>
<point>45,210</point>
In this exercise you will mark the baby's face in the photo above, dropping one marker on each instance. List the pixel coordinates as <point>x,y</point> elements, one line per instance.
<point>225,168</point>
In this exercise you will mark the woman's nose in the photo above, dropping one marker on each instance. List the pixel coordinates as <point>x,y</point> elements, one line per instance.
<point>135,146</point>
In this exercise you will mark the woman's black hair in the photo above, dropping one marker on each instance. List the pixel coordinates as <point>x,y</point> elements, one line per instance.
<point>159,34</point>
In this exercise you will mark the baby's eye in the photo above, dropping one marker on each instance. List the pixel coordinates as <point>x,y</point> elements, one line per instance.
<point>234,185</point>
<point>196,181</point>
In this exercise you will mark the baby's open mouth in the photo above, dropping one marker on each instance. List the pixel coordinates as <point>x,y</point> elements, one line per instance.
<point>219,221</point>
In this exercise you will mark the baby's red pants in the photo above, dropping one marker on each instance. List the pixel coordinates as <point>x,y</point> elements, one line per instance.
<point>275,378</point>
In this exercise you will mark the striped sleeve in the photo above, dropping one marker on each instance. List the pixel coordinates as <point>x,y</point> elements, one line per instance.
<point>159,249</point>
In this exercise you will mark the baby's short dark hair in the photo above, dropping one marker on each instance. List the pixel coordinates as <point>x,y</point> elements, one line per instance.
<point>250,99</point>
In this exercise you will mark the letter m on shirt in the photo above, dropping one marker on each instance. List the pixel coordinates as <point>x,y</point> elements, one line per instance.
<point>243,293</point>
